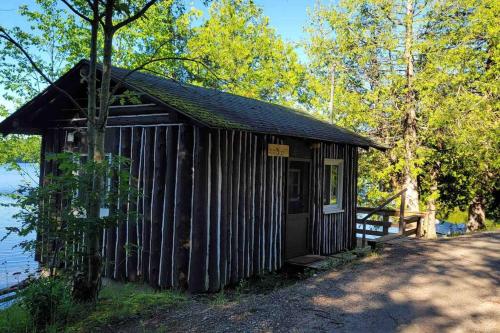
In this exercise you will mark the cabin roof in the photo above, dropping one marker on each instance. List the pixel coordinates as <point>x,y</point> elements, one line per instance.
<point>218,109</point>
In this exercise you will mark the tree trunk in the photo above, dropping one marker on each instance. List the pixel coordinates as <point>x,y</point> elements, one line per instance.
<point>332,93</point>
<point>94,264</point>
<point>95,261</point>
<point>477,216</point>
<point>86,283</point>
<point>410,119</point>
<point>92,84</point>
<point>429,229</point>
<point>105,79</point>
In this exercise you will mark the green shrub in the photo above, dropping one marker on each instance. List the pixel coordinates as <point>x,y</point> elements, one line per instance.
<point>219,298</point>
<point>47,301</point>
<point>15,319</point>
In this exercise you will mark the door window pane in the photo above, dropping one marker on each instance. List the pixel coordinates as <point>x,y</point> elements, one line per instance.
<point>298,187</point>
<point>295,185</point>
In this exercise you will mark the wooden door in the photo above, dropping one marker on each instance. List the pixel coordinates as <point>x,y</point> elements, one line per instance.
<point>298,208</point>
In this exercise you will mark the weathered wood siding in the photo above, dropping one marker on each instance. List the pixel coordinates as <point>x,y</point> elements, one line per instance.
<point>211,205</point>
<point>331,233</point>
<point>238,205</point>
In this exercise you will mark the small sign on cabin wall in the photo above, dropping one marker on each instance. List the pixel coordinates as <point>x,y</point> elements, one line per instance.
<point>278,150</point>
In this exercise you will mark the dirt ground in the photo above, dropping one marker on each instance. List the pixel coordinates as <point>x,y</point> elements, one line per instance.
<point>448,285</point>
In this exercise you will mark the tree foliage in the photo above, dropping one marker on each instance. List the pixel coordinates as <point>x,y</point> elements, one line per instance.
<point>246,54</point>
<point>58,210</point>
<point>365,42</point>
<point>162,35</point>
<point>46,22</point>
<point>455,55</point>
<point>18,148</point>
<point>459,92</point>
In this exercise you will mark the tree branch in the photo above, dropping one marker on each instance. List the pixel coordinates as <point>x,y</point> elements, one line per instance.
<point>74,10</point>
<point>5,35</point>
<point>155,53</point>
<point>135,16</point>
<point>143,65</point>
<point>95,9</point>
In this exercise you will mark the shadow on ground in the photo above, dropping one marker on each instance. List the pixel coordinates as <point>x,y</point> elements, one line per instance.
<point>448,285</point>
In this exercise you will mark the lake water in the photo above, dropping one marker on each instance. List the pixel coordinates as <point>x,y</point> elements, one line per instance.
<point>15,264</point>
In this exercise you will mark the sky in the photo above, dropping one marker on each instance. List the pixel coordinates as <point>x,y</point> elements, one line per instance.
<point>288,17</point>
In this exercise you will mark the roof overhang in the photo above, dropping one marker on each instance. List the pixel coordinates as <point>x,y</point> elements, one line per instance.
<point>21,121</point>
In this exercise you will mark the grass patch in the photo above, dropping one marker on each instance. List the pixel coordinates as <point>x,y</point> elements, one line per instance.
<point>117,304</point>
<point>15,319</point>
<point>344,258</point>
<point>267,282</point>
<point>458,216</point>
<point>260,284</point>
<point>375,254</point>
<point>219,298</point>
<point>492,225</point>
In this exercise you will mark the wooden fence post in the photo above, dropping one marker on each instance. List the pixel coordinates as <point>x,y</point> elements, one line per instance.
<point>402,223</point>
<point>385,228</point>
<point>421,220</point>
<point>364,234</point>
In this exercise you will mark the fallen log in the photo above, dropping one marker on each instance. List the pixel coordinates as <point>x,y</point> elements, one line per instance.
<point>18,286</point>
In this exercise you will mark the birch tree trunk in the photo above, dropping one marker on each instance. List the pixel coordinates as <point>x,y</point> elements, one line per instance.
<point>410,119</point>
<point>477,216</point>
<point>430,223</point>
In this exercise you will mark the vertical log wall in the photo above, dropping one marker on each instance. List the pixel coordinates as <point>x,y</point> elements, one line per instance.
<point>238,208</point>
<point>210,205</point>
<point>331,233</point>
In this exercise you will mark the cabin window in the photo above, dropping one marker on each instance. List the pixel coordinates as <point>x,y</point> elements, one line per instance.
<point>332,185</point>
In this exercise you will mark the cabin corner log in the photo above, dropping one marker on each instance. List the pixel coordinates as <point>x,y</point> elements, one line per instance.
<point>210,205</point>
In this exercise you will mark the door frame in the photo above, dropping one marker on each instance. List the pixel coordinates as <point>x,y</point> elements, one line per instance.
<point>309,161</point>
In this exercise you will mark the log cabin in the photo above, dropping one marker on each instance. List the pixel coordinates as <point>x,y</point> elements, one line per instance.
<point>230,186</point>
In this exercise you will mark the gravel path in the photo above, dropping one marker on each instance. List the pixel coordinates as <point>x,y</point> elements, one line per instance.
<point>448,285</point>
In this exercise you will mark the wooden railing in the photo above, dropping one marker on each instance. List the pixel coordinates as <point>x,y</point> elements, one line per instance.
<point>407,222</point>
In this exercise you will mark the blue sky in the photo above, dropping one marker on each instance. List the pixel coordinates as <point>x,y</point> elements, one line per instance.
<point>288,17</point>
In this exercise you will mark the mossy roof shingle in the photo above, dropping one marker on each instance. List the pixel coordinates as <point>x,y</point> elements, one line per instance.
<point>218,109</point>
<point>209,107</point>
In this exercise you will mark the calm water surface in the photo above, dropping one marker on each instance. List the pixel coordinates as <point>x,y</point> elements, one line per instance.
<point>15,264</point>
